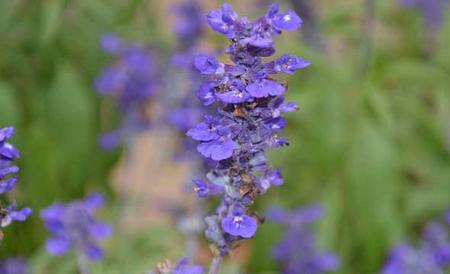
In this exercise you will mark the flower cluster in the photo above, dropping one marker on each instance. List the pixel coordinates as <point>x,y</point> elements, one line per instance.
<point>432,256</point>
<point>74,226</point>
<point>433,11</point>
<point>247,121</point>
<point>132,80</point>
<point>8,179</point>
<point>297,250</point>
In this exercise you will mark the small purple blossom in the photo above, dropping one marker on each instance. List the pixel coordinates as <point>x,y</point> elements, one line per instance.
<point>297,251</point>
<point>222,20</point>
<point>289,63</point>
<point>9,179</point>
<point>205,189</point>
<point>74,226</point>
<point>240,224</point>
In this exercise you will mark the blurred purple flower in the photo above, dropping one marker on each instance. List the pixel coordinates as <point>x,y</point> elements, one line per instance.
<point>132,79</point>
<point>297,251</point>
<point>74,226</point>
<point>184,267</point>
<point>432,256</point>
<point>404,259</point>
<point>433,11</point>
<point>14,265</point>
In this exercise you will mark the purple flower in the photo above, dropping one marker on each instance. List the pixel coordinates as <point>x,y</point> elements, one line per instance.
<point>290,63</point>
<point>184,267</point>
<point>271,178</point>
<point>265,88</point>
<point>8,179</point>
<point>207,64</point>
<point>217,150</point>
<point>14,265</point>
<point>74,226</point>
<point>222,20</point>
<point>285,21</point>
<point>205,190</point>
<point>404,259</point>
<point>240,224</point>
<point>297,251</point>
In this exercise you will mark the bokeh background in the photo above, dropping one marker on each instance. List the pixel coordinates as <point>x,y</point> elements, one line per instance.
<point>371,140</point>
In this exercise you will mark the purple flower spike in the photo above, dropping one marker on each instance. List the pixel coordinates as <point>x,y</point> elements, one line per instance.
<point>240,224</point>
<point>73,226</point>
<point>132,80</point>
<point>248,118</point>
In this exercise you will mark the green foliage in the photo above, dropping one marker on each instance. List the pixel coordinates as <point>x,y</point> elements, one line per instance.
<point>373,145</point>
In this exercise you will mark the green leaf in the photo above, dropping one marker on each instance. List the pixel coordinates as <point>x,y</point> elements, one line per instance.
<point>9,108</point>
<point>51,19</point>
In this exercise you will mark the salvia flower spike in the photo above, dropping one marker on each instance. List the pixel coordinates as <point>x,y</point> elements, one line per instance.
<point>248,119</point>
<point>132,81</point>
<point>9,179</point>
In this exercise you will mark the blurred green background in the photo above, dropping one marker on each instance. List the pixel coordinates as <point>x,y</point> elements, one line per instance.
<point>371,140</point>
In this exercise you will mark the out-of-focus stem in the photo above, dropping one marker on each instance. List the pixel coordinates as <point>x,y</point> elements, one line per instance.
<point>367,34</point>
<point>215,265</point>
<point>310,29</point>
<point>83,264</point>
